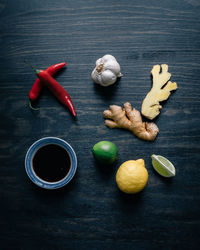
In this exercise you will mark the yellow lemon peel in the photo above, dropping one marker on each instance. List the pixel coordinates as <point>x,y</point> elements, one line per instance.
<point>132,176</point>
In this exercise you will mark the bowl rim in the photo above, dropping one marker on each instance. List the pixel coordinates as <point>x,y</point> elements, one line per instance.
<point>35,147</point>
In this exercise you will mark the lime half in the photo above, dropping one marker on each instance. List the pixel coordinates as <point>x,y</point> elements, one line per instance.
<point>163,166</point>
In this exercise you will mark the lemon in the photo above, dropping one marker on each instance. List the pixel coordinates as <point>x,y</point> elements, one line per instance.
<point>163,166</point>
<point>105,152</point>
<point>132,176</point>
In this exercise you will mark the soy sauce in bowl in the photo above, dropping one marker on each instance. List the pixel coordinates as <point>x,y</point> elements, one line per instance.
<point>51,163</point>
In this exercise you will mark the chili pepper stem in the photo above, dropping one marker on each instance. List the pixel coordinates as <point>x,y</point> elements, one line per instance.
<point>31,107</point>
<point>28,63</point>
<point>37,71</point>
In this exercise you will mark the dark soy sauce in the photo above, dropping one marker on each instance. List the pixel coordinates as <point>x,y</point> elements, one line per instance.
<point>51,163</point>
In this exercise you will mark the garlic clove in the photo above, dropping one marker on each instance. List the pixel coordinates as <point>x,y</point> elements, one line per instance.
<point>112,65</point>
<point>108,58</point>
<point>108,78</point>
<point>96,77</point>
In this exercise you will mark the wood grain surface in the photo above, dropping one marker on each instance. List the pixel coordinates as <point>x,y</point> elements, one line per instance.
<point>91,213</point>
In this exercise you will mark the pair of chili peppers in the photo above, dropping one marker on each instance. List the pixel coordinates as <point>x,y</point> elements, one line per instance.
<point>45,78</point>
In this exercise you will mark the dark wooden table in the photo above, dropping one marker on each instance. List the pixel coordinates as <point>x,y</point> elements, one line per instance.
<point>91,213</point>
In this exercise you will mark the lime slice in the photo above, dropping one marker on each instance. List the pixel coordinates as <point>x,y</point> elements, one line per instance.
<point>163,166</point>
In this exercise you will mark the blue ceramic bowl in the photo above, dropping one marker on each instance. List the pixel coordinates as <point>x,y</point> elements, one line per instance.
<point>29,166</point>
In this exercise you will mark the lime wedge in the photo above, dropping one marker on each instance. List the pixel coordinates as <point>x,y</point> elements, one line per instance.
<point>163,166</point>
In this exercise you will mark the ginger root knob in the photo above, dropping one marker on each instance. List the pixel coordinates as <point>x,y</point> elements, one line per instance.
<point>128,118</point>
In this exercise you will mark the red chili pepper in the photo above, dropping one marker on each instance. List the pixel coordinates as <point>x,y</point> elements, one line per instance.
<point>37,86</point>
<point>60,93</point>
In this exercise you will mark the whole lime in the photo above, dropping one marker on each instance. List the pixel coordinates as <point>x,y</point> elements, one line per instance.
<point>105,152</point>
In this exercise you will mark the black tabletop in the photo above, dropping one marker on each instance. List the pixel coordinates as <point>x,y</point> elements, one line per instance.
<point>91,212</point>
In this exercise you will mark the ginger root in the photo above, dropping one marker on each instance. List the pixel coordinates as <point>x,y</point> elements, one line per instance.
<point>158,93</point>
<point>130,119</point>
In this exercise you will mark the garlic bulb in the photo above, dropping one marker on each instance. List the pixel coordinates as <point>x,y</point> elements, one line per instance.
<point>106,71</point>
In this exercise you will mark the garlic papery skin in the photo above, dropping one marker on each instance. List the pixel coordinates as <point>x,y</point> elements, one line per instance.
<point>106,71</point>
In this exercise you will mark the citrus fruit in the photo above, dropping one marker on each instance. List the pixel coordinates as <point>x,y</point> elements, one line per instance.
<point>163,166</point>
<point>132,176</point>
<point>105,152</point>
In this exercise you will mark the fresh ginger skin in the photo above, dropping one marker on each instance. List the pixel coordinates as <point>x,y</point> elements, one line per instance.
<point>130,119</point>
<point>158,93</point>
